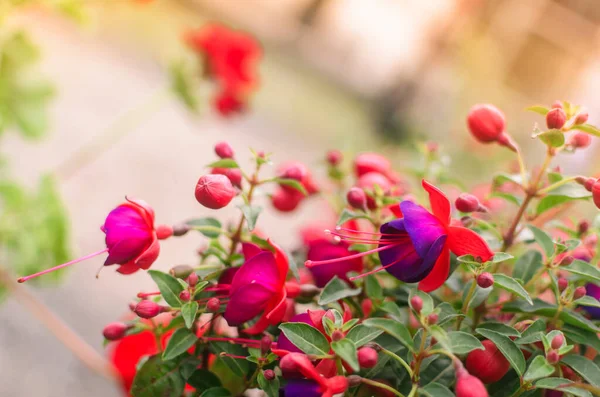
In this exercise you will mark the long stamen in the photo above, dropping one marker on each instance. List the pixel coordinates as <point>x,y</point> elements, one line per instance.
<point>147,294</point>
<point>338,228</point>
<point>310,263</point>
<point>218,287</point>
<point>379,268</point>
<point>74,261</point>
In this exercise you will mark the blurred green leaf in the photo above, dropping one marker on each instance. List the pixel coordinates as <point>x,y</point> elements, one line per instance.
<point>158,378</point>
<point>251,213</point>
<point>169,287</point>
<point>584,367</point>
<point>552,138</point>
<point>346,350</point>
<point>336,289</point>
<point>527,265</point>
<point>556,383</point>
<point>184,84</point>
<point>543,239</point>
<point>538,109</point>
<point>181,340</point>
<point>511,285</point>
<point>348,215</point>
<point>539,368</point>
<point>587,128</point>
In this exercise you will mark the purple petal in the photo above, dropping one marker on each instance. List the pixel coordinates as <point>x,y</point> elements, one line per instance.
<point>260,269</point>
<point>302,388</point>
<point>284,343</point>
<point>423,227</point>
<point>246,303</point>
<point>593,291</point>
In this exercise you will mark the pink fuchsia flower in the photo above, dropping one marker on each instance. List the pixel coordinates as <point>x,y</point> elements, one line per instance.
<point>258,288</point>
<point>324,249</point>
<point>416,248</point>
<point>131,239</point>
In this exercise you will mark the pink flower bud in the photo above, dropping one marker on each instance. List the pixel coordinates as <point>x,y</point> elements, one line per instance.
<point>337,335</point>
<point>467,203</point>
<point>185,295</point>
<point>214,191</point>
<point>557,105</point>
<point>581,118</point>
<point>583,227</point>
<point>192,279</point>
<point>369,181</point>
<point>148,309</point>
<point>486,122</point>
<point>357,198</point>
<point>580,140</point>
<point>566,261</point>
<point>265,345</point>
<point>115,331</point>
<point>286,200</point>
<point>558,341</point>
<point>224,150</point>
<point>579,293</point>
<point>563,283</point>
<point>233,174</point>
<point>288,366</point>
<point>163,231</point>
<point>269,375</point>
<point>485,280</point>
<point>489,365</point>
<point>553,357</point>
<point>432,319</point>
<point>469,386</point>
<point>556,118</point>
<point>596,193</point>
<point>416,303</point>
<point>371,162</point>
<point>334,157</point>
<point>367,357</point>
<point>213,305</point>
<point>181,271</point>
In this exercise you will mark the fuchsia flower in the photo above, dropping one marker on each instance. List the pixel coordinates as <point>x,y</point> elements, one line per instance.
<point>131,239</point>
<point>416,248</point>
<point>315,385</point>
<point>258,288</point>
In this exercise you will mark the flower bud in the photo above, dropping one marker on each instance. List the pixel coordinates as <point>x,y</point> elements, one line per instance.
<point>566,261</point>
<point>233,174</point>
<point>192,279</point>
<point>416,303</point>
<point>357,198</point>
<point>224,150</point>
<point>371,162</point>
<point>432,318</point>
<point>181,271</point>
<point>354,380</point>
<point>367,357</point>
<point>369,181</point>
<point>468,385</point>
<point>586,182</point>
<point>557,105</point>
<point>213,305</point>
<point>214,191</point>
<point>181,230</point>
<point>185,295</point>
<point>288,366</point>
<point>552,357</point>
<point>579,293</point>
<point>286,200</point>
<point>556,118</point>
<point>163,231</point>
<point>580,140</point>
<point>367,307</point>
<point>265,345</point>
<point>269,375</point>
<point>596,193</point>
<point>115,331</point>
<point>485,280</point>
<point>148,309</point>
<point>486,122</point>
<point>489,365</point>
<point>557,341</point>
<point>334,157</point>
<point>563,283</point>
<point>581,118</point>
<point>337,335</point>
<point>583,227</point>
<point>467,203</point>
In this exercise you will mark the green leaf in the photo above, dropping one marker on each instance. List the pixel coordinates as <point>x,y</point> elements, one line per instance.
<point>335,290</point>
<point>237,367</point>
<point>373,288</point>
<point>502,178</point>
<point>440,335</point>
<point>587,301</point>
<point>447,313</point>
<point>561,195</point>
<point>293,183</point>
<point>511,285</point>
<point>158,378</point>
<point>500,257</point>
<point>393,328</point>
<point>182,84</point>
<point>427,301</point>
<point>578,335</point>
<point>251,213</point>
<point>348,215</point>
<point>306,338</point>
<point>361,334</point>
<point>271,387</point>
<point>511,198</point>
<point>507,347</point>
<point>584,367</point>
<point>543,239</point>
<point>169,287</point>
<point>555,383</point>
<point>434,389</point>
<point>224,163</point>
<point>462,342</point>
<point>188,312</point>
<point>500,328</point>
<point>215,392</point>
<point>479,296</point>
<point>547,310</point>
<point>552,138</point>
<point>213,224</point>
<point>539,368</point>
<point>585,270</point>
<point>181,340</point>
<point>527,265</point>
<point>588,128</point>
<point>346,350</point>
<point>394,310</point>
<point>538,109</point>
<point>203,379</point>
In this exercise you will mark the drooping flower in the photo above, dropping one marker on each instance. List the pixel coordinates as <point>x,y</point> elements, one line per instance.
<point>131,239</point>
<point>258,288</point>
<point>416,248</point>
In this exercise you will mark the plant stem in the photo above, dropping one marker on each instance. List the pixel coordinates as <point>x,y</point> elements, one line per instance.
<point>399,359</point>
<point>236,237</point>
<point>466,303</point>
<point>382,386</point>
<point>522,168</point>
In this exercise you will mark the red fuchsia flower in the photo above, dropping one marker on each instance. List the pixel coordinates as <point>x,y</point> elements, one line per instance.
<point>231,59</point>
<point>320,250</point>
<point>131,239</point>
<point>416,248</point>
<point>316,385</point>
<point>258,288</point>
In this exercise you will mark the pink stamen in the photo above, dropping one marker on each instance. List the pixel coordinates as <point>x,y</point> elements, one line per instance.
<point>378,269</point>
<point>74,261</point>
<point>310,263</point>
<point>147,294</point>
<point>361,232</point>
<point>223,354</point>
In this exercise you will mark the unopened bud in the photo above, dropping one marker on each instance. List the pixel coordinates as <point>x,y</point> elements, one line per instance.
<point>485,280</point>
<point>213,305</point>
<point>586,182</point>
<point>432,319</point>
<point>337,335</point>
<point>552,357</point>
<point>367,357</point>
<point>357,198</point>
<point>192,279</point>
<point>489,365</point>
<point>185,295</point>
<point>214,191</point>
<point>486,122</point>
<point>269,374</point>
<point>265,345</point>
<point>563,283</point>
<point>354,380</point>
<point>581,118</point>
<point>579,293</point>
<point>583,227</point>
<point>557,341</point>
<point>148,309</point>
<point>416,303</point>
<point>115,331</point>
<point>432,147</point>
<point>580,140</point>
<point>181,271</point>
<point>557,105</point>
<point>467,203</point>
<point>556,118</point>
<point>468,385</point>
<point>163,231</point>
<point>334,157</point>
<point>181,230</point>
<point>596,193</point>
<point>224,150</point>
<point>233,174</point>
<point>566,261</point>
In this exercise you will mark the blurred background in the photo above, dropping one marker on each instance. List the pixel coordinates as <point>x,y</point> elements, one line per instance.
<point>350,74</point>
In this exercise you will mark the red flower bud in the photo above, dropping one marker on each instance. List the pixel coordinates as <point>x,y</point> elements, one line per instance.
<point>416,303</point>
<point>563,283</point>
<point>467,203</point>
<point>286,200</point>
<point>557,105</point>
<point>214,191</point>
<point>148,309</point>
<point>357,198</point>
<point>489,365</point>
<point>581,118</point>
<point>566,261</point>
<point>596,193</point>
<point>468,385</point>
<point>552,357</point>
<point>354,380</point>
<point>367,307</point>
<point>334,157</point>
<point>115,331</point>
<point>269,374</point>
<point>163,231</point>
<point>369,180</point>
<point>296,171</point>
<point>371,162</point>
<point>185,295</point>
<point>432,318</point>
<point>234,175</point>
<point>557,341</point>
<point>337,335</point>
<point>485,280</point>
<point>579,293</point>
<point>580,140</point>
<point>181,271</point>
<point>556,118</point>
<point>224,150</point>
<point>192,279</point>
<point>265,345</point>
<point>213,305</point>
<point>486,122</point>
<point>367,357</point>
<point>583,227</point>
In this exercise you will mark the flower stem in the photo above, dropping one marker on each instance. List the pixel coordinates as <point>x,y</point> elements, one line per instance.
<point>399,359</point>
<point>466,303</point>
<point>381,386</point>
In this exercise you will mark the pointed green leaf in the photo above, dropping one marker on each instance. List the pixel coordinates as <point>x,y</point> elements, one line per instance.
<point>306,338</point>
<point>251,213</point>
<point>539,368</point>
<point>585,270</point>
<point>584,367</point>
<point>169,287</point>
<point>293,183</point>
<point>543,239</point>
<point>434,389</point>
<point>158,378</point>
<point>507,347</point>
<point>346,350</point>
<point>392,327</point>
<point>556,383</point>
<point>538,109</point>
<point>501,328</point>
<point>527,265</point>
<point>463,343</point>
<point>181,340</point>
<point>215,392</point>
<point>348,215</point>
<point>270,387</point>
<point>224,163</point>
<point>361,334</point>
<point>588,128</point>
<point>212,226</point>
<point>188,312</point>
<point>335,290</point>
<point>511,285</point>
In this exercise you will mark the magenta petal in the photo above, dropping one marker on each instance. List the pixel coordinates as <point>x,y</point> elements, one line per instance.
<point>246,303</point>
<point>260,269</point>
<point>324,250</point>
<point>423,227</point>
<point>126,250</point>
<point>149,256</point>
<point>250,250</point>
